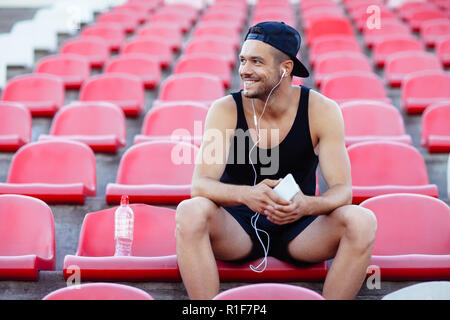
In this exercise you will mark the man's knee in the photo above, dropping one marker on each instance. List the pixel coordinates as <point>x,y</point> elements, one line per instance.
<point>360,226</point>
<point>192,216</point>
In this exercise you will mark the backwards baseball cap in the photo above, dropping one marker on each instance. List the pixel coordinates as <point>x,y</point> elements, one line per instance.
<point>282,37</point>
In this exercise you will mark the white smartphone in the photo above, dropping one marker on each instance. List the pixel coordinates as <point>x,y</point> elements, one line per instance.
<point>287,188</point>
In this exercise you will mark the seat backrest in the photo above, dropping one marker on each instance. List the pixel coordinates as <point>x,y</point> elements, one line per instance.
<point>134,63</point>
<point>353,85</point>
<point>389,28</point>
<point>165,120</point>
<point>26,227</point>
<point>54,162</point>
<point>436,120</point>
<point>158,162</point>
<point>99,291</point>
<point>191,86</point>
<point>153,232</point>
<point>89,118</point>
<point>113,86</point>
<point>164,30</point>
<point>410,224</point>
<point>334,43</point>
<point>386,163</point>
<point>86,46</point>
<point>107,31</point>
<point>35,87</point>
<point>64,64</point>
<point>147,45</point>
<point>15,118</point>
<point>268,291</point>
<point>426,84</point>
<point>209,47</point>
<point>362,118</point>
<point>397,44</point>
<point>328,26</point>
<point>342,61</point>
<point>203,64</point>
<point>412,61</point>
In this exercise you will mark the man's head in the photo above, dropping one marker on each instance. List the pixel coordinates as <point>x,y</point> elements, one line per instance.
<point>268,54</point>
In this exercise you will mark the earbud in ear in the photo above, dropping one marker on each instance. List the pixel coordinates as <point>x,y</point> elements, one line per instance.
<point>284,73</point>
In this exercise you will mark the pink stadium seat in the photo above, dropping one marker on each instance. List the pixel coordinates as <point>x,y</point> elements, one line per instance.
<point>95,49</point>
<point>125,19</point>
<point>223,16</point>
<point>268,291</point>
<point>330,44</point>
<point>99,291</point>
<point>174,120</point>
<point>143,66</point>
<point>153,254</point>
<point>42,94</point>
<point>408,8</point>
<point>189,12</point>
<point>317,14</point>
<point>435,127</point>
<point>393,28</point>
<point>191,87</point>
<point>177,18</point>
<point>72,69</point>
<point>234,25</point>
<point>27,237</point>
<point>420,89</point>
<point>412,240</point>
<point>155,47</point>
<point>354,85</point>
<point>167,32</point>
<point>112,33</point>
<point>434,30</point>
<point>15,126</point>
<point>329,26</point>
<point>212,47</point>
<point>382,167</point>
<point>203,63</point>
<point>125,90</point>
<point>217,31</point>
<point>61,171</point>
<point>100,125</point>
<point>139,11</point>
<point>443,51</point>
<point>417,19</point>
<point>154,172</point>
<point>373,121</point>
<point>336,62</point>
<point>395,44</point>
<point>399,65</point>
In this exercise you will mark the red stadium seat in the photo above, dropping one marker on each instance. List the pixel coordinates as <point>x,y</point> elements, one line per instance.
<point>191,87</point>
<point>420,89</point>
<point>154,172</point>
<point>99,291</point>
<point>373,121</point>
<point>112,33</point>
<point>72,69</point>
<point>326,27</point>
<point>434,30</point>
<point>412,240</point>
<point>399,65</point>
<point>176,17</point>
<point>393,28</point>
<point>125,90</point>
<point>27,237</point>
<point>95,49</point>
<point>189,12</point>
<point>167,32</point>
<point>331,44</point>
<point>418,19</point>
<point>15,126</point>
<point>153,254</point>
<point>354,85</point>
<point>336,62</point>
<point>61,171</point>
<point>212,47</point>
<point>268,291</point>
<point>203,63</point>
<point>395,44</point>
<point>174,120</point>
<point>443,51</point>
<point>218,31</point>
<point>138,10</point>
<point>223,16</point>
<point>382,167</point>
<point>408,8</point>
<point>42,94</point>
<point>435,127</point>
<point>125,19</point>
<point>143,66</point>
<point>155,47</point>
<point>100,125</point>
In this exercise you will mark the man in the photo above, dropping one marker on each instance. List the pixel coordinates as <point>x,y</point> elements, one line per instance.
<point>219,222</point>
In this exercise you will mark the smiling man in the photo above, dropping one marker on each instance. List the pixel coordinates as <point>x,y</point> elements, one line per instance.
<point>234,213</point>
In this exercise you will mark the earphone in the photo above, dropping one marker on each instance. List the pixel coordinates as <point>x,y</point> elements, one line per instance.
<point>255,217</point>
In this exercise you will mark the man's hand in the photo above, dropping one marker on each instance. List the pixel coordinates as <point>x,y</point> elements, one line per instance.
<point>261,197</point>
<point>284,214</point>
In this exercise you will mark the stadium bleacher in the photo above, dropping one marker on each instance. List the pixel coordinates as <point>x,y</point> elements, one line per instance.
<point>108,82</point>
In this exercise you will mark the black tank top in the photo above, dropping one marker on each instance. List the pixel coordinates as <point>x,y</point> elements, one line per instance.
<point>295,154</point>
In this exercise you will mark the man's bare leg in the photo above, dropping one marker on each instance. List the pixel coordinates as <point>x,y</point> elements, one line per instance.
<point>205,231</point>
<point>347,234</point>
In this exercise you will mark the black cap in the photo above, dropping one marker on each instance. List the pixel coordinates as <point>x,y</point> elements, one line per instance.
<point>283,37</point>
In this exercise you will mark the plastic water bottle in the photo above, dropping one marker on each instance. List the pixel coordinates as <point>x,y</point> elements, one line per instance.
<point>124,224</point>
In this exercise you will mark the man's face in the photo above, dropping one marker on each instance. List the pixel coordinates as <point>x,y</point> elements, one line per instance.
<point>257,69</point>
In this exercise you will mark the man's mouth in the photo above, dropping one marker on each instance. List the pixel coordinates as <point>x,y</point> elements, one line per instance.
<point>248,83</point>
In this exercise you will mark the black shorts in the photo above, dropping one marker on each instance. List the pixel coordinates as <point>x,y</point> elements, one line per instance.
<point>280,235</point>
